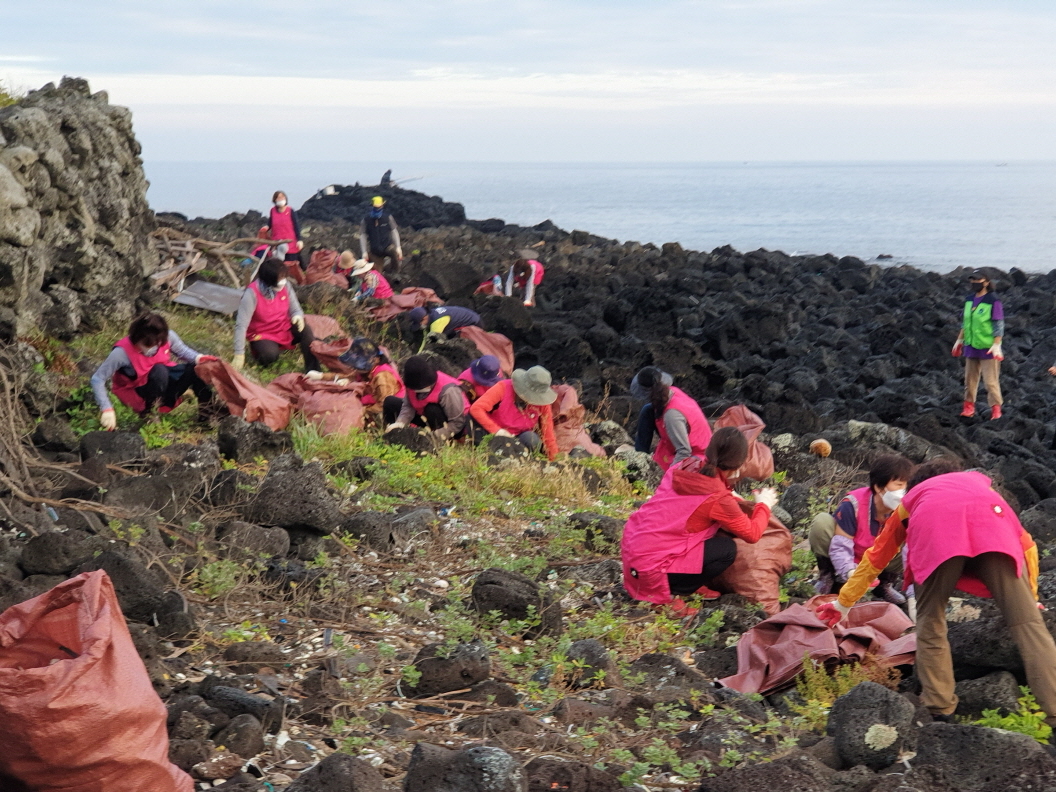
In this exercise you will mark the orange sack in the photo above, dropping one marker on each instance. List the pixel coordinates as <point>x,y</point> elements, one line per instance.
<point>760,463</point>
<point>77,709</point>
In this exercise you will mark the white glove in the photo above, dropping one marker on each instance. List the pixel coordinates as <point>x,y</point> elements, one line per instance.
<point>503,433</point>
<point>298,322</point>
<point>996,351</point>
<point>341,381</point>
<point>395,425</point>
<point>399,254</point>
<point>313,376</point>
<point>238,362</point>
<point>767,495</point>
<point>108,419</point>
<point>300,246</point>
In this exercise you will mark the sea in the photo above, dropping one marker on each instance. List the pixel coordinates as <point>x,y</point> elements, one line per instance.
<point>933,215</point>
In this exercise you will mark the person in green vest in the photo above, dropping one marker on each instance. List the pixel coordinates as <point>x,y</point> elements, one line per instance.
<point>979,342</point>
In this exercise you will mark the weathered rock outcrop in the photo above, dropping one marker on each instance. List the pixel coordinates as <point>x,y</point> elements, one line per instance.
<point>74,219</point>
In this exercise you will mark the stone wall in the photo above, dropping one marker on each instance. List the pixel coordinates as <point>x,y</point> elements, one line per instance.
<point>74,218</point>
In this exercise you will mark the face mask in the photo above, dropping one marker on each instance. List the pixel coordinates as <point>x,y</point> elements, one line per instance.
<point>280,203</point>
<point>281,284</point>
<point>152,351</point>
<point>892,498</point>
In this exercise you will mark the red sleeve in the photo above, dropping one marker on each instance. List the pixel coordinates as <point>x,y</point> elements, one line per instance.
<point>726,511</point>
<point>485,404</point>
<point>546,421</point>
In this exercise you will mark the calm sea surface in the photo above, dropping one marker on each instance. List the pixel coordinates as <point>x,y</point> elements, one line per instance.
<point>933,215</point>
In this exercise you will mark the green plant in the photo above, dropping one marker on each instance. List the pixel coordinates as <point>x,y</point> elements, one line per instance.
<point>1028,719</point>
<point>704,631</point>
<point>8,96</point>
<point>217,578</point>
<point>820,688</point>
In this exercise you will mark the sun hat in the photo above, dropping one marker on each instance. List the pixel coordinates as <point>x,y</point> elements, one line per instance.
<point>347,259</point>
<point>361,355</point>
<point>533,385</point>
<point>416,315</point>
<point>528,254</point>
<point>419,373</point>
<point>362,266</point>
<point>486,370</point>
<point>643,381</point>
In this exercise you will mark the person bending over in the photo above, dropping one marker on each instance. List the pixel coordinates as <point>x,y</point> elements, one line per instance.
<point>434,399</point>
<point>520,407</point>
<point>673,413</point>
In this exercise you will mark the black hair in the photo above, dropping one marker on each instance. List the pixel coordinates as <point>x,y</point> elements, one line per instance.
<point>939,466</point>
<point>652,379</point>
<point>888,468</point>
<point>149,329</point>
<point>270,271</point>
<point>727,450</point>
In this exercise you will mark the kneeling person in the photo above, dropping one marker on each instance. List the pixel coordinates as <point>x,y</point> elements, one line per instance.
<point>433,399</point>
<point>520,407</point>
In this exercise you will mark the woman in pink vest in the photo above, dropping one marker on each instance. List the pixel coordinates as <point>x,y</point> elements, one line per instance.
<point>366,282</point>
<point>282,224</point>
<point>839,540</point>
<point>526,273</point>
<point>959,534</point>
<point>434,399</point>
<point>150,364</point>
<point>681,538</point>
<point>676,417</point>
<point>520,407</point>
<point>271,320</point>
<point>385,390</point>
<point>483,374</point>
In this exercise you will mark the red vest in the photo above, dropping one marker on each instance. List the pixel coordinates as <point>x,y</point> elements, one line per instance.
<point>123,387</point>
<point>383,290</point>
<point>699,429</point>
<point>271,319</point>
<point>478,389</point>
<point>512,418</point>
<point>863,536</point>
<point>655,542</point>
<point>522,280</point>
<point>366,398</point>
<point>282,226</point>
<point>442,381</point>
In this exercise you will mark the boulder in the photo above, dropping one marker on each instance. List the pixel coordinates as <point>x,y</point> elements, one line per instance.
<point>669,679</point>
<point>242,441</point>
<point>610,436</point>
<point>229,488</point>
<point>798,771</point>
<point>478,769</point>
<point>295,495</point>
<point>137,589</point>
<point>56,553</point>
<point>641,467</point>
<point>547,773</point>
<point>966,755</point>
<point>595,666</point>
<point>871,725</point>
<point>54,433</point>
<point>113,448</point>
<point>234,702</point>
<point>606,529</point>
<point>464,666</point>
<point>339,772</point>
<point>243,736</point>
<point>380,531</point>
<point>245,540</point>
<point>998,691</point>
<point>248,657</point>
<point>516,596</point>
<point>1040,521</point>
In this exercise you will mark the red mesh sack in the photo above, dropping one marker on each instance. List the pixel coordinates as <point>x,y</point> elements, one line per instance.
<point>757,571</point>
<point>760,462</point>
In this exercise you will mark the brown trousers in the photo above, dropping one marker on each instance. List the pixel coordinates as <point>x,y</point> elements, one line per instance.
<point>991,373</point>
<point>1016,603</point>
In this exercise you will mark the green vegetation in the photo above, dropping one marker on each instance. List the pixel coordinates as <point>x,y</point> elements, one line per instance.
<point>1028,719</point>
<point>819,687</point>
<point>8,95</point>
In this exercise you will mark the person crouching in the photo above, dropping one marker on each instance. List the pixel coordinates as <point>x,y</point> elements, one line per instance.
<point>520,407</point>
<point>434,399</point>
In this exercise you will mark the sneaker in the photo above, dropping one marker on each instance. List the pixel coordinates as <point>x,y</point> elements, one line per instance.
<point>706,593</point>
<point>678,608</point>
<point>969,410</point>
<point>889,593</point>
<point>995,412</point>
<point>940,718</point>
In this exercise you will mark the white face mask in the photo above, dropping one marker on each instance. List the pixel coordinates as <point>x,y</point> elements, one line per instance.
<point>893,498</point>
<point>281,285</point>
<point>281,203</point>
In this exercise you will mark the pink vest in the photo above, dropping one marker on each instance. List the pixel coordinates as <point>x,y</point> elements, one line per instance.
<point>123,387</point>
<point>282,226</point>
<point>655,542</point>
<point>383,290</point>
<point>522,280</point>
<point>863,537</point>
<point>512,418</point>
<point>958,514</point>
<point>367,399</point>
<point>478,389</point>
<point>699,429</point>
<point>271,319</point>
<point>442,381</point>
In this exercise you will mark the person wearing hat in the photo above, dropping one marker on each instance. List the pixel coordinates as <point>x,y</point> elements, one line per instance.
<point>282,224</point>
<point>385,390</point>
<point>366,282</point>
<point>433,399</point>
<point>979,342</point>
<point>676,416</point>
<point>520,407</point>
<point>446,319</point>
<point>379,236</point>
<point>526,273</point>
<point>483,373</point>
<point>270,318</point>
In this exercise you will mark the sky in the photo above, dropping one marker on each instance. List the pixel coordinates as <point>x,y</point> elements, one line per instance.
<point>543,81</point>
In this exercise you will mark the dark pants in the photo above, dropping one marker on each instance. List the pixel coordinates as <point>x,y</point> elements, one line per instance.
<point>719,552</point>
<point>169,383</point>
<point>379,259</point>
<point>298,257</point>
<point>267,352</point>
<point>390,409</point>
<point>643,438</point>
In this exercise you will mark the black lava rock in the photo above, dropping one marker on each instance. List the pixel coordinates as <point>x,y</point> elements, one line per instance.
<point>871,725</point>
<point>517,596</point>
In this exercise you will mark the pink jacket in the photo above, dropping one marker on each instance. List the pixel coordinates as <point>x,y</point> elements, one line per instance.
<point>699,428</point>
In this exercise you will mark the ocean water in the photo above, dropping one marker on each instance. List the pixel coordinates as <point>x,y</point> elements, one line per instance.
<point>933,215</point>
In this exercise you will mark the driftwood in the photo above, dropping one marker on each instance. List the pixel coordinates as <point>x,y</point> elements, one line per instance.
<point>184,255</point>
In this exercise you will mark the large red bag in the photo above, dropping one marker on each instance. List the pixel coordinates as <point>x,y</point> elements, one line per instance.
<point>77,709</point>
<point>757,571</point>
<point>248,400</point>
<point>760,462</point>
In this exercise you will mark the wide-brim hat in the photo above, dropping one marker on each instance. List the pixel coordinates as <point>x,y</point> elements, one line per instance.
<point>486,370</point>
<point>528,254</point>
<point>361,355</point>
<point>533,385</point>
<point>362,266</point>
<point>346,259</point>
<point>640,391</point>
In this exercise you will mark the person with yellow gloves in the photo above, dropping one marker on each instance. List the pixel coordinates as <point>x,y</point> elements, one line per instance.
<point>959,534</point>
<point>444,319</point>
<point>979,342</point>
<point>271,320</point>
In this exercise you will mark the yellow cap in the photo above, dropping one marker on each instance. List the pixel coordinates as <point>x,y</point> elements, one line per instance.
<point>377,200</point>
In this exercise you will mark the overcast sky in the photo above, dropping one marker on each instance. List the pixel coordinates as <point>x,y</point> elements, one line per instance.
<point>475,80</point>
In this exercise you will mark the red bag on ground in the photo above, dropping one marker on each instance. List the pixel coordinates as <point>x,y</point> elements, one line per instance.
<point>244,398</point>
<point>77,709</point>
<point>491,344</point>
<point>757,571</point>
<point>412,297</point>
<point>568,423</point>
<point>321,269</point>
<point>760,463</point>
<point>333,408</point>
<point>330,342</point>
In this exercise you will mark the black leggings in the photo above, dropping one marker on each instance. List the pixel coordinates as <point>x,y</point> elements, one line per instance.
<point>719,552</point>
<point>169,383</point>
<point>267,352</point>
<point>433,417</point>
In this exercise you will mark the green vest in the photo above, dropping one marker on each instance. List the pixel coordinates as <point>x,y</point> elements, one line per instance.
<point>978,326</point>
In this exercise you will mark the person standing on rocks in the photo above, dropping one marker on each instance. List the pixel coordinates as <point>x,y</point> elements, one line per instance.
<point>270,318</point>
<point>526,273</point>
<point>839,540</point>
<point>379,236</point>
<point>520,407</point>
<point>282,224</point>
<point>673,414</point>
<point>145,367</point>
<point>681,539</point>
<point>444,319</point>
<point>433,399</point>
<point>979,342</point>
<point>385,390</point>
<point>960,535</point>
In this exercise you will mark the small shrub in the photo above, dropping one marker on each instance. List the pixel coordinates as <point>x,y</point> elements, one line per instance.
<point>820,688</point>
<point>1028,719</point>
<point>217,578</point>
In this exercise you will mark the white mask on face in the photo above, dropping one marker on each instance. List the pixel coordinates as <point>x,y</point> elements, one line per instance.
<point>152,351</point>
<point>281,203</point>
<point>892,498</point>
<point>281,285</point>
